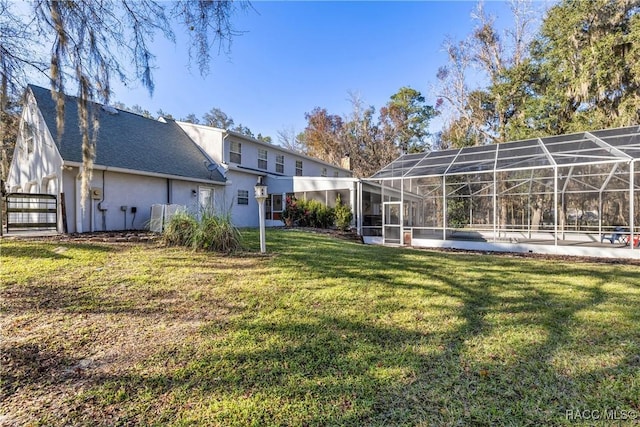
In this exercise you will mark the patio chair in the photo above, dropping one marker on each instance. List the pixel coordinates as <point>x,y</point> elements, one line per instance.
<point>618,235</point>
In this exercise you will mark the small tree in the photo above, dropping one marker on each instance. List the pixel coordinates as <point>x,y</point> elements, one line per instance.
<point>343,215</point>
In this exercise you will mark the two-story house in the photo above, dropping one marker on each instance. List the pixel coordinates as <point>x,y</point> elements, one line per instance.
<point>141,162</point>
<point>286,172</point>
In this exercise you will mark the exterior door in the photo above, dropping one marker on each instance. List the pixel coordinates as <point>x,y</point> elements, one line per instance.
<point>205,199</point>
<point>391,226</point>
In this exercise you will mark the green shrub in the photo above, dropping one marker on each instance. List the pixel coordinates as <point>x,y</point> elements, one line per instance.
<point>457,213</point>
<point>307,213</point>
<point>315,214</point>
<point>325,216</point>
<point>343,215</point>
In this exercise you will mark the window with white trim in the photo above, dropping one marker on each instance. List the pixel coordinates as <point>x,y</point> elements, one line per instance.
<point>298,167</point>
<point>243,197</point>
<point>323,172</point>
<point>235,152</point>
<point>262,158</point>
<point>279,163</point>
<point>27,137</point>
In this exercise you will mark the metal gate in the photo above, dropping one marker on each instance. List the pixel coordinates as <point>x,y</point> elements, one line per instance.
<point>27,210</point>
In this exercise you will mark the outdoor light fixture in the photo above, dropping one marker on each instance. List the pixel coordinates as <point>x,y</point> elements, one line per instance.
<point>261,196</point>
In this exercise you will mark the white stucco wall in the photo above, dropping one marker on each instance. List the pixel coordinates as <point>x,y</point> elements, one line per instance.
<point>242,215</point>
<point>130,190</point>
<point>213,142</point>
<point>250,147</point>
<point>40,170</point>
<point>207,138</point>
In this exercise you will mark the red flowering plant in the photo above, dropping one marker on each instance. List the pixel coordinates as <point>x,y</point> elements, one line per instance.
<point>292,212</point>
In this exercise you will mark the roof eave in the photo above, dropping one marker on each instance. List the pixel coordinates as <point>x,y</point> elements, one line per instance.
<point>146,173</point>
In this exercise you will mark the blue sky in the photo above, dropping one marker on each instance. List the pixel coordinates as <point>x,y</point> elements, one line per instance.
<point>294,56</point>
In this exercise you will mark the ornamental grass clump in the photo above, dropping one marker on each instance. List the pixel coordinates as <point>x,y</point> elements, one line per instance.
<point>206,231</point>
<point>217,233</point>
<point>180,230</point>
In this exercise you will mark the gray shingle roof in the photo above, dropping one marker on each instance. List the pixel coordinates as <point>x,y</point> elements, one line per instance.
<point>127,140</point>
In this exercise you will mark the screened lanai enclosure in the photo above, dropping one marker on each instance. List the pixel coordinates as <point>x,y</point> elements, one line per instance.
<point>573,194</point>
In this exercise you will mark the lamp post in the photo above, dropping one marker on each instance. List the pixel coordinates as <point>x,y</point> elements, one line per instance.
<point>261,196</point>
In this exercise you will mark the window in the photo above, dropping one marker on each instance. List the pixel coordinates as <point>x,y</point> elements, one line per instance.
<point>336,174</point>
<point>243,197</point>
<point>323,172</point>
<point>262,158</point>
<point>276,205</point>
<point>27,136</point>
<point>280,163</point>
<point>298,167</point>
<point>267,208</point>
<point>235,152</point>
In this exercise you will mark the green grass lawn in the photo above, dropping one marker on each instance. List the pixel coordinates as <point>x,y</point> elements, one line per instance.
<point>318,332</point>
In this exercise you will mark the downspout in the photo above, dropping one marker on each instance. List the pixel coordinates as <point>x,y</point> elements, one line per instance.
<point>91,214</point>
<point>104,194</point>
<point>77,200</point>
<point>61,220</point>
<point>224,138</point>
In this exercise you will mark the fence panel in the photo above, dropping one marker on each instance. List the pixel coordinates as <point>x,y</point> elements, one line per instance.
<point>26,210</point>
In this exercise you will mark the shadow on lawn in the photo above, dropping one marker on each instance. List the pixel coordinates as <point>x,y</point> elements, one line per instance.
<point>318,365</point>
<point>28,364</point>
<point>477,389</point>
<point>314,364</point>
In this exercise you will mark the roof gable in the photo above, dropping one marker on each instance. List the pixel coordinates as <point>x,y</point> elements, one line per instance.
<point>127,140</point>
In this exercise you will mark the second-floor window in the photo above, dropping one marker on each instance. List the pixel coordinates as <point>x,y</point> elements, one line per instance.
<point>323,172</point>
<point>336,174</point>
<point>235,152</point>
<point>262,158</point>
<point>280,163</point>
<point>298,167</point>
<point>27,136</point>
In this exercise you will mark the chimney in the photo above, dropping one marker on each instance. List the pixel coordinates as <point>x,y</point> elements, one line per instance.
<point>345,162</point>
